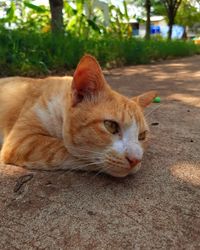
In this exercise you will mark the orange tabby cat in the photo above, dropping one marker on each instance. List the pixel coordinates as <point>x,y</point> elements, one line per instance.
<point>72,123</point>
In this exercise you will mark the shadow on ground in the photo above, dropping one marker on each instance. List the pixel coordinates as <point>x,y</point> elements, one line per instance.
<point>158,208</point>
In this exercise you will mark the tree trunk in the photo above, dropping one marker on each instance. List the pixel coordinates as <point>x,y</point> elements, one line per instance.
<point>184,37</point>
<point>171,9</point>
<point>56,7</point>
<point>171,22</point>
<point>148,22</point>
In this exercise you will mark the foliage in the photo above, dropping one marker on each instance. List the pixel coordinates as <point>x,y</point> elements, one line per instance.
<point>26,15</point>
<point>147,6</point>
<point>25,53</point>
<point>27,47</point>
<point>37,18</point>
<point>159,8</point>
<point>119,24</point>
<point>77,23</point>
<point>187,15</point>
<point>171,7</point>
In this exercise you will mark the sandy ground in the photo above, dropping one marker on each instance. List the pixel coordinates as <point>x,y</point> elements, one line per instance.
<point>158,208</point>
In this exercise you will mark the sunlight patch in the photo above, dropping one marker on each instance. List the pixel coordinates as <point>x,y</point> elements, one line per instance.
<point>188,99</point>
<point>188,172</point>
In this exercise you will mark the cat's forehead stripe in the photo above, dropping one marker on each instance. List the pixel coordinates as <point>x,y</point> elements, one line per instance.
<point>129,112</point>
<point>123,114</point>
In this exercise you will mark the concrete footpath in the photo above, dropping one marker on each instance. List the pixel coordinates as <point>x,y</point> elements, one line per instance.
<point>158,208</point>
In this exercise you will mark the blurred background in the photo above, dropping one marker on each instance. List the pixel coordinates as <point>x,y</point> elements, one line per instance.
<point>46,37</point>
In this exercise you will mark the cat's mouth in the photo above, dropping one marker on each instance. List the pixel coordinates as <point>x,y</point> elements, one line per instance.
<point>123,172</point>
<point>119,174</point>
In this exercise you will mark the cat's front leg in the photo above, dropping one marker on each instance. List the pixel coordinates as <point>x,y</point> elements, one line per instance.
<point>35,151</point>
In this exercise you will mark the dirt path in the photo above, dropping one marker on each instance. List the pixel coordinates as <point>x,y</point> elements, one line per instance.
<point>159,208</point>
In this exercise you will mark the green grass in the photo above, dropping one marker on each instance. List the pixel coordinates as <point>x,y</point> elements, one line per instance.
<point>35,54</point>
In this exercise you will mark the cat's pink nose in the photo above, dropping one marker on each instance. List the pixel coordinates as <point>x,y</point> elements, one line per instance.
<point>133,161</point>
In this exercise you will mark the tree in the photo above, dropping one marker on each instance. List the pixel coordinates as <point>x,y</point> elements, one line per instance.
<point>148,21</point>
<point>188,15</point>
<point>171,7</point>
<point>147,6</point>
<point>56,7</point>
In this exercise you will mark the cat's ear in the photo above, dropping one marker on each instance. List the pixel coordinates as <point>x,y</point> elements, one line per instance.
<point>88,79</point>
<point>145,99</point>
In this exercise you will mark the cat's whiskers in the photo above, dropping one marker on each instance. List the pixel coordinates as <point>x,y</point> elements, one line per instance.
<point>85,150</point>
<point>81,158</point>
<point>103,168</point>
<point>89,164</point>
<point>86,161</point>
<point>100,171</point>
<point>84,166</point>
<point>150,112</point>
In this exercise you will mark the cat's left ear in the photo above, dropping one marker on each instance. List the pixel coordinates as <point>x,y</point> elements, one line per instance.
<point>88,79</point>
<point>145,99</point>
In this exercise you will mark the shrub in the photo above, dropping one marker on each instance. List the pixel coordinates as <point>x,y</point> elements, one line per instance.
<point>31,54</point>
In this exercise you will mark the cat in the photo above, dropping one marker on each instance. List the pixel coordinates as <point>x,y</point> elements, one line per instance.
<point>72,123</point>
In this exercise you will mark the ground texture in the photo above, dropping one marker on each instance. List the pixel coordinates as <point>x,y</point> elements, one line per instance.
<point>158,208</point>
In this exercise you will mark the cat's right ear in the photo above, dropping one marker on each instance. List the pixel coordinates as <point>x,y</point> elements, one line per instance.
<point>88,79</point>
<point>145,99</point>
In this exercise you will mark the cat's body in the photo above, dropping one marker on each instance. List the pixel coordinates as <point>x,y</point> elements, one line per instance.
<point>71,123</point>
<point>18,92</point>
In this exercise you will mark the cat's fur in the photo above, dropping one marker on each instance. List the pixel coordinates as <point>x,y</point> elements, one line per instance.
<point>59,123</point>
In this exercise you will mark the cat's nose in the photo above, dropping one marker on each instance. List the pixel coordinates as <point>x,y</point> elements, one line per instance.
<point>133,161</point>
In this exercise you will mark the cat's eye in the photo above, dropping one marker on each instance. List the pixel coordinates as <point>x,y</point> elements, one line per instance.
<point>112,126</point>
<point>142,136</point>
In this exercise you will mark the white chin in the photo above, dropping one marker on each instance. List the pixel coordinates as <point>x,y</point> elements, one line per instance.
<point>135,169</point>
<point>124,174</point>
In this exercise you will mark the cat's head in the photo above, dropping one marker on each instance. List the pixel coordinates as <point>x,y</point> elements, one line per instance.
<point>105,130</point>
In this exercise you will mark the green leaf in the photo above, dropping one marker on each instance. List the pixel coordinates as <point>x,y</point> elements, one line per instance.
<point>72,23</point>
<point>93,25</point>
<point>39,9</point>
<point>69,10</point>
<point>79,6</point>
<point>125,10</point>
<point>10,12</point>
